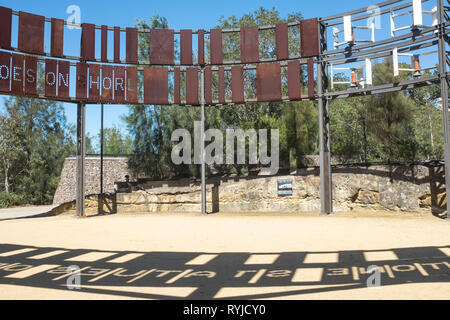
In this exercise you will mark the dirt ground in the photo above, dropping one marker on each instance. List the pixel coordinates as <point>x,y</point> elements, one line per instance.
<point>279,234</point>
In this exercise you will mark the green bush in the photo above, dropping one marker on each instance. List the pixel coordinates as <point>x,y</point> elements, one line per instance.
<point>9,199</point>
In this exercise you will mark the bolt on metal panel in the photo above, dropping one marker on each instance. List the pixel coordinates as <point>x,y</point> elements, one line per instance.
<point>132,45</point>
<point>201,47</point>
<point>221,85</point>
<point>30,76</point>
<point>63,79</point>
<point>119,84</point>
<point>88,41</point>
<point>237,84</point>
<point>116,44</point>
<point>5,71</point>
<point>94,82</point>
<point>31,33</point>
<point>161,46</point>
<point>215,38</point>
<point>176,86</point>
<point>249,45</point>
<point>107,83</point>
<point>309,38</point>
<point>186,47</point>
<point>5,26</point>
<point>156,80</point>
<point>57,38</point>
<point>311,83</point>
<point>268,84</point>
<point>50,78</point>
<point>104,44</point>
<point>294,81</point>
<point>17,74</point>
<point>192,86</point>
<point>81,89</point>
<point>281,39</point>
<point>131,85</point>
<point>208,86</point>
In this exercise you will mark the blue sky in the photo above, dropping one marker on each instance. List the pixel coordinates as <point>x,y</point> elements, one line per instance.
<point>180,14</point>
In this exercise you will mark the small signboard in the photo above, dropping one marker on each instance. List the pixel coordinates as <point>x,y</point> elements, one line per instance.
<point>285,187</point>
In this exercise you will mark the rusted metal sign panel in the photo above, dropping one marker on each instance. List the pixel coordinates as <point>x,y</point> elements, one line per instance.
<point>215,38</point>
<point>88,41</point>
<point>107,83</point>
<point>17,74</point>
<point>81,90</point>
<point>117,44</point>
<point>192,86</point>
<point>201,47</point>
<point>132,94</point>
<point>132,45</point>
<point>51,77</point>
<point>5,27</point>
<point>237,84</point>
<point>161,46</point>
<point>268,85</point>
<point>311,90</point>
<point>31,33</point>
<point>208,86</point>
<point>30,75</point>
<point>221,85</point>
<point>176,86</point>
<point>63,79</point>
<point>57,38</point>
<point>119,84</point>
<point>104,45</point>
<point>5,71</point>
<point>156,86</point>
<point>294,81</point>
<point>281,39</point>
<point>249,45</point>
<point>186,47</point>
<point>309,37</point>
<point>94,82</point>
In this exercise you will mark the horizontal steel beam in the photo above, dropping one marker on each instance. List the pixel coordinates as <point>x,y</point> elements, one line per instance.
<point>384,88</point>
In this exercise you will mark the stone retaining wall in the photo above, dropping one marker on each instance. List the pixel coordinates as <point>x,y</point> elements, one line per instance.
<point>396,188</point>
<point>114,169</point>
<point>401,188</point>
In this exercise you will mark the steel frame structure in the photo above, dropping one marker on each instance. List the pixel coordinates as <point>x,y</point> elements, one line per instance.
<point>416,39</point>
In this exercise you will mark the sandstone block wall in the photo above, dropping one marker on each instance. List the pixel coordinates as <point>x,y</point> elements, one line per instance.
<point>396,188</point>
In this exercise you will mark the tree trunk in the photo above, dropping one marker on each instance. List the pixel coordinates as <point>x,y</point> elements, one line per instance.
<point>5,165</point>
<point>365,140</point>
<point>431,135</point>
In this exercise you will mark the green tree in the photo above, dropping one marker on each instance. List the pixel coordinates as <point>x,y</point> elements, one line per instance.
<point>114,142</point>
<point>389,118</point>
<point>11,149</point>
<point>38,132</point>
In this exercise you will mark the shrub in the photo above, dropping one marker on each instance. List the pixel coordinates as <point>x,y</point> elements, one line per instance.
<point>9,199</point>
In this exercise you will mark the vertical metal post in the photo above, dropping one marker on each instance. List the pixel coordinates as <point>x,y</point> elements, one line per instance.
<point>202,149</point>
<point>101,152</point>
<point>444,97</point>
<point>100,196</point>
<point>81,152</point>
<point>326,186</point>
